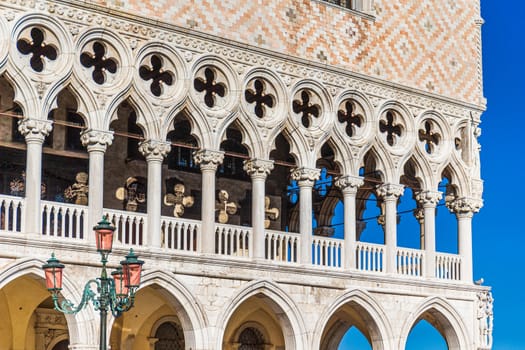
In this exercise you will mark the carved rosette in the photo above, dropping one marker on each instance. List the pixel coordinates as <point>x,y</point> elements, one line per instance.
<point>208,159</point>
<point>428,198</point>
<point>305,176</point>
<point>465,206</point>
<point>154,149</point>
<point>258,168</point>
<point>349,184</point>
<point>35,130</point>
<point>96,140</point>
<point>390,191</point>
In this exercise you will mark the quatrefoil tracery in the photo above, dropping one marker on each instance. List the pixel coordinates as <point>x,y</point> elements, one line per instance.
<point>429,137</point>
<point>261,99</point>
<point>156,74</point>
<point>392,129</point>
<point>211,87</point>
<point>38,48</point>
<point>348,115</point>
<point>306,108</point>
<point>99,62</point>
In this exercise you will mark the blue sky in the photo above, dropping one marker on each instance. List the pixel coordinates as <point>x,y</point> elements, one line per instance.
<point>498,233</point>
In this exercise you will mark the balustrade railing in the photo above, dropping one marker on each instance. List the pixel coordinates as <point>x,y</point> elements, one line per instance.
<point>370,257</point>
<point>448,266</point>
<point>64,220</point>
<point>130,227</point>
<point>281,246</point>
<point>410,262</point>
<point>327,251</point>
<point>11,209</point>
<point>232,240</point>
<point>180,234</point>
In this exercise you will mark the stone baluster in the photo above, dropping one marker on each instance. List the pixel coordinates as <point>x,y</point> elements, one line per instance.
<point>209,161</point>
<point>154,151</point>
<point>258,169</point>
<point>389,194</point>
<point>35,132</point>
<point>428,200</point>
<point>96,142</point>
<point>464,208</point>
<point>305,178</point>
<point>349,186</point>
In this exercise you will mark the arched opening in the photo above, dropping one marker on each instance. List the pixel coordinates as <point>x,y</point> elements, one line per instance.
<point>446,222</point>
<point>409,212</point>
<point>256,324</point>
<point>154,322</point>
<point>354,340</point>
<point>425,336</point>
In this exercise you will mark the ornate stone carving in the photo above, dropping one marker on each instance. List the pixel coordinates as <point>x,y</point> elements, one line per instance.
<point>79,190</point>
<point>258,167</point>
<point>96,140</point>
<point>208,159</point>
<point>131,194</point>
<point>428,198</point>
<point>305,176</point>
<point>178,200</point>
<point>389,191</point>
<point>485,318</point>
<point>223,207</point>
<point>153,149</point>
<point>349,183</point>
<point>465,205</point>
<point>270,214</point>
<point>17,187</point>
<point>35,130</point>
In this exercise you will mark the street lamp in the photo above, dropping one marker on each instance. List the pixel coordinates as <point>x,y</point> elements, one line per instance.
<point>116,294</point>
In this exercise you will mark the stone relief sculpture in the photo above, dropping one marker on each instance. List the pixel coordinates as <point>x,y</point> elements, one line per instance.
<point>131,194</point>
<point>223,207</point>
<point>178,200</point>
<point>79,190</point>
<point>485,319</point>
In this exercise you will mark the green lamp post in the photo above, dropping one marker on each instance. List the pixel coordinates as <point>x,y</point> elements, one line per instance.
<point>115,293</point>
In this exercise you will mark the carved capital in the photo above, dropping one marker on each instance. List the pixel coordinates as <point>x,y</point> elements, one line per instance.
<point>390,191</point>
<point>305,176</point>
<point>35,130</point>
<point>154,149</point>
<point>428,198</point>
<point>258,168</point>
<point>96,140</point>
<point>465,206</point>
<point>208,159</point>
<point>419,214</point>
<point>349,184</point>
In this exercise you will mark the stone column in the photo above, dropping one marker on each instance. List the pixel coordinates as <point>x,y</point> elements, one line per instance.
<point>35,132</point>
<point>428,200</point>
<point>349,186</point>
<point>464,208</point>
<point>96,142</point>
<point>258,169</point>
<point>154,151</point>
<point>209,161</point>
<point>305,178</point>
<point>389,194</point>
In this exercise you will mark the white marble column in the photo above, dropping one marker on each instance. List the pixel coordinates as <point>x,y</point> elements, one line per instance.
<point>389,194</point>
<point>305,178</point>
<point>35,132</point>
<point>464,208</point>
<point>349,186</point>
<point>96,142</point>
<point>209,161</point>
<point>428,200</point>
<point>258,169</point>
<point>154,151</point>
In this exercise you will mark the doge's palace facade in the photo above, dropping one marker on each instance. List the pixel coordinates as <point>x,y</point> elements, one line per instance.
<point>258,156</point>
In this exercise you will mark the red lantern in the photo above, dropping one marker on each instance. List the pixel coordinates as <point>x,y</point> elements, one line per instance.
<point>104,235</point>
<point>120,288</point>
<point>53,271</point>
<point>131,269</point>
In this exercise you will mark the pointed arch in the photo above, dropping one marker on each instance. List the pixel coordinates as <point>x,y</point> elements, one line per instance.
<point>443,316</point>
<point>81,326</point>
<point>378,331</point>
<point>287,312</point>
